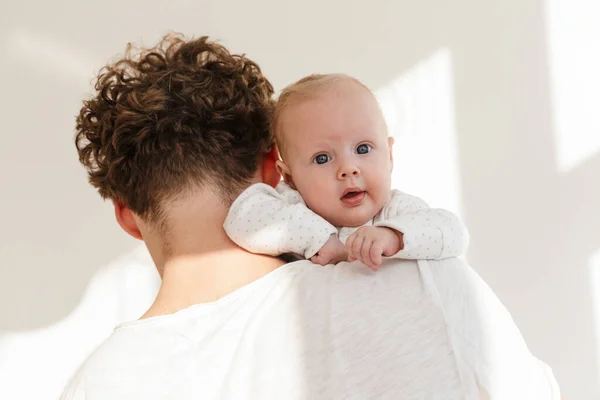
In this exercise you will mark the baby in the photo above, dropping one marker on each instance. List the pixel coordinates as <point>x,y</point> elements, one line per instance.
<point>336,202</point>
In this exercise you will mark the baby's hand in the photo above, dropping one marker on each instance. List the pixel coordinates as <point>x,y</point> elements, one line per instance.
<point>369,243</point>
<point>332,252</point>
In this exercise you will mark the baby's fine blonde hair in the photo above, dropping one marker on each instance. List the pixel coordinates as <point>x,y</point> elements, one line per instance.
<point>306,88</point>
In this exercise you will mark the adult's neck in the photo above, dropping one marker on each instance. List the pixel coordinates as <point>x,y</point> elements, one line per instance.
<point>199,263</point>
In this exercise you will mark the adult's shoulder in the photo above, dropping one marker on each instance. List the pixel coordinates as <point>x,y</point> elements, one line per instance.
<point>393,272</point>
<point>397,284</point>
<point>465,297</point>
<point>471,309</point>
<point>487,342</point>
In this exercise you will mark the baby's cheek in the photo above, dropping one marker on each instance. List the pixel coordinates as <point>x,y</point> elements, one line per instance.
<point>311,185</point>
<point>317,199</point>
<point>380,190</point>
<point>382,198</point>
<point>314,198</point>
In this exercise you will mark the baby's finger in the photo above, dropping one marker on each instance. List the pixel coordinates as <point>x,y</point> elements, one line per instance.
<point>375,255</point>
<point>357,246</point>
<point>318,259</point>
<point>365,254</point>
<point>351,258</point>
<point>349,243</point>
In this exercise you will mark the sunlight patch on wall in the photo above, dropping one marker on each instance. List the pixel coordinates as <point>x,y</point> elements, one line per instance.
<point>574,63</point>
<point>419,109</point>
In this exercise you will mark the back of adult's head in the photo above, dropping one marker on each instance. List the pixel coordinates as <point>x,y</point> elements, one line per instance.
<point>182,115</point>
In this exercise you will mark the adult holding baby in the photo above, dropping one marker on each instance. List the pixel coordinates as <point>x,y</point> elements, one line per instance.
<point>173,135</point>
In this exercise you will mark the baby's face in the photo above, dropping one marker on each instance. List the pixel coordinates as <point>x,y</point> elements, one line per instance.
<point>338,153</point>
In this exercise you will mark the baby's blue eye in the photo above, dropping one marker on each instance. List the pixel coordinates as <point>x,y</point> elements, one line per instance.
<point>363,149</point>
<point>322,158</point>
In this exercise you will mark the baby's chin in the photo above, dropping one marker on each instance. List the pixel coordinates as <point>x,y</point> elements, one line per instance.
<point>350,221</point>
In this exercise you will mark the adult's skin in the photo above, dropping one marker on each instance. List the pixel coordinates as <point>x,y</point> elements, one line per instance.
<point>172,138</point>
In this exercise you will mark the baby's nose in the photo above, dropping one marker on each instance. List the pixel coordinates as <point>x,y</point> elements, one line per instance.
<point>348,171</point>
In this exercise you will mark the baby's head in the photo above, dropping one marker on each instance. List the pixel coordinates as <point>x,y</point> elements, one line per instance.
<point>335,148</point>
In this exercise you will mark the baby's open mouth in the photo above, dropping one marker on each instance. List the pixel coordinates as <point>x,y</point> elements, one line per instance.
<point>353,197</point>
<point>349,195</point>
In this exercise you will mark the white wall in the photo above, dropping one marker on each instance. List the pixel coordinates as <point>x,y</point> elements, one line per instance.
<point>492,104</point>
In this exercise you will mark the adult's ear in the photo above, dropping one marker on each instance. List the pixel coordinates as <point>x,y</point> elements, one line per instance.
<point>270,172</point>
<point>125,219</point>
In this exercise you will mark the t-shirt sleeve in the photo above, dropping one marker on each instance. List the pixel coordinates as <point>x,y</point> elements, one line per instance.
<point>488,344</point>
<point>428,233</point>
<point>276,221</point>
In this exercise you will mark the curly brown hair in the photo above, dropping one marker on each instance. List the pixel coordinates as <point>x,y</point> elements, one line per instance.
<point>173,117</point>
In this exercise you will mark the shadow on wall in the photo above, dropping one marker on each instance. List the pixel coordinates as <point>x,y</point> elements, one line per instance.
<point>494,133</point>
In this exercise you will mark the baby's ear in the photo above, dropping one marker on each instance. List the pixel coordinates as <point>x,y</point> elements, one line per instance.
<point>286,173</point>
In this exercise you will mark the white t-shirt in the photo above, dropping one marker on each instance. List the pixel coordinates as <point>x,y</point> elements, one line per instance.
<point>413,330</point>
<point>276,221</point>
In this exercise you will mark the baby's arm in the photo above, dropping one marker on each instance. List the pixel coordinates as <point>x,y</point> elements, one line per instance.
<point>276,221</point>
<point>409,228</point>
<point>427,233</point>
